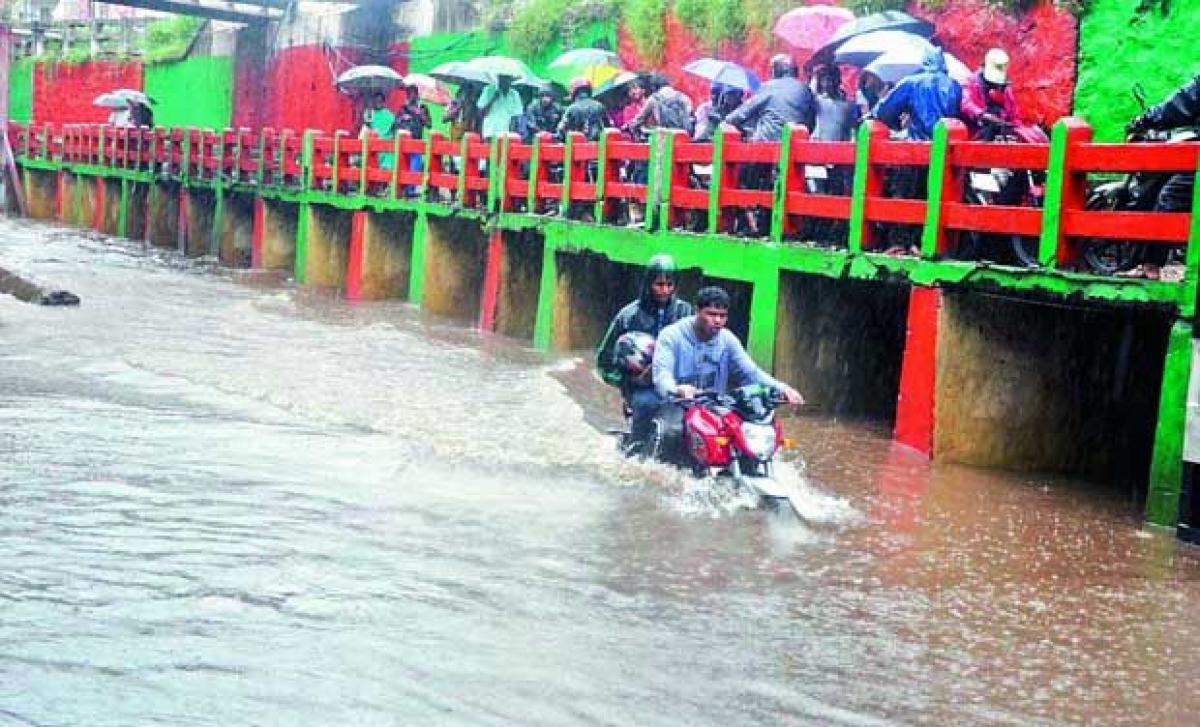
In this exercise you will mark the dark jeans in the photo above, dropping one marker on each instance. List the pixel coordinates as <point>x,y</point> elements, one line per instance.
<point>1175,196</point>
<point>644,401</point>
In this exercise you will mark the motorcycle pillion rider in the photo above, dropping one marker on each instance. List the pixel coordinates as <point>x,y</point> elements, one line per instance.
<point>623,360</point>
<point>1180,110</point>
<point>699,353</point>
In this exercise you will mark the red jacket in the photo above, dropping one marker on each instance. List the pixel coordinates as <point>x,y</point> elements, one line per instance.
<point>975,102</point>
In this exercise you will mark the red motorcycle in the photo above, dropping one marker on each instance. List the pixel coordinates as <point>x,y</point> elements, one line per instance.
<point>735,435</point>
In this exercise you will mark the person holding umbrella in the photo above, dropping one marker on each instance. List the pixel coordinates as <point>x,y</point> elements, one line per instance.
<point>722,100</point>
<point>499,104</point>
<point>925,98</point>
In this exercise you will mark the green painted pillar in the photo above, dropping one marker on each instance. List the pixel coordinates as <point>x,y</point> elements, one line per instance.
<point>416,271</point>
<point>123,209</point>
<point>1166,465</point>
<point>764,304</point>
<point>717,179</point>
<point>1187,306</point>
<point>301,270</point>
<point>858,194</point>
<point>939,153</point>
<point>783,175</point>
<point>543,326</point>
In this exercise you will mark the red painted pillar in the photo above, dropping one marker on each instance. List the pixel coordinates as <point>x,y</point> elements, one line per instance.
<point>491,281</point>
<point>916,405</point>
<point>98,212</point>
<point>354,269</point>
<point>256,234</point>
<point>181,234</point>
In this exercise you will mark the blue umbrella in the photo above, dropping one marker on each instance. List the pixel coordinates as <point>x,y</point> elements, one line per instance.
<point>718,71</point>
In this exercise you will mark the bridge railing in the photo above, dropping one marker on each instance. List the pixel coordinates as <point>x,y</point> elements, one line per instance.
<point>882,184</point>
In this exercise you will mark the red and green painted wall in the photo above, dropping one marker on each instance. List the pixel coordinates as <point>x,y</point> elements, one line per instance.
<point>1062,64</point>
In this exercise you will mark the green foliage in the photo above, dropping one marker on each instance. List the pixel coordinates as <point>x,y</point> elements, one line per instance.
<point>539,23</point>
<point>169,39</point>
<point>865,7</point>
<point>77,54</point>
<point>644,20</point>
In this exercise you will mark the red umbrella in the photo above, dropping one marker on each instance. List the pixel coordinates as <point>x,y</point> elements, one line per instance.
<point>809,28</point>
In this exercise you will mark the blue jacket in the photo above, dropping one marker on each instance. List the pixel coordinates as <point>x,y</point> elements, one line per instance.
<point>682,358</point>
<point>926,97</point>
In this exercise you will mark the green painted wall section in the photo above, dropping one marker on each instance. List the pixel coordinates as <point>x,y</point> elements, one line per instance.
<point>20,90</point>
<point>1118,45</point>
<point>428,51</point>
<point>196,91</point>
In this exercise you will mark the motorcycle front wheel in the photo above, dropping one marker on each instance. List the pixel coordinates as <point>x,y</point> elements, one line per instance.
<point>1106,256</point>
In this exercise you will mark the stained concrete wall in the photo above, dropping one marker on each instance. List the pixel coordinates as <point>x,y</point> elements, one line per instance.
<point>841,343</point>
<point>1028,384</point>
<point>70,207</point>
<point>387,255</point>
<point>112,206</point>
<point>135,210</point>
<point>86,212</point>
<point>237,230</point>
<point>520,280</point>
<point>164,215</point>
<point>328,247</point>
<point>41,191</point>
<point>455,251</point>
<point>279,235</point>
<point>201,209</point>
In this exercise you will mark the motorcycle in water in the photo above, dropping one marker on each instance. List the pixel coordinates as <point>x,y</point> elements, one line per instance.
<point>735,435</point>
<point>999,186</point>
<point>1133,192</point>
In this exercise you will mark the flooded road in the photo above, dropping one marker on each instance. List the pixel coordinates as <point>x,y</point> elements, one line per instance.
<point>227,502</point>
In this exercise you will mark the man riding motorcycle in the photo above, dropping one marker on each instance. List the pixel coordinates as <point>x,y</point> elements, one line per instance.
<point>697,354</point>
<point>1180,109</point>
<point>655,308</point>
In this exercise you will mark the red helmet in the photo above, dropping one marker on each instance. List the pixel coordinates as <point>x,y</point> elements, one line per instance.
<point>579,84</point>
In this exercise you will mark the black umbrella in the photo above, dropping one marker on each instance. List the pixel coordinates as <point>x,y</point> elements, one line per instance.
<point>886,20</point>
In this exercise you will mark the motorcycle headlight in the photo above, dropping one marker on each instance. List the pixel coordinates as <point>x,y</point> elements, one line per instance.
<point>760,439</point>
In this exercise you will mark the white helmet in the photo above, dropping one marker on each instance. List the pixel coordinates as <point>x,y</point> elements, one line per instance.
<point>995,67</point>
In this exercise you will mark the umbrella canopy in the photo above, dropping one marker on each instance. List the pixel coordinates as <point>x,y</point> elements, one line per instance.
<point>594,64</point>
<point>809,28</point>
<point>497,66</point>
<point>133,95</point>
<point>901,62</point>
<point>459,73</point>
<point>718,71</point>
<point>110,101</point>
<point>862,49</point>
<point>887,20</point>
<point>369,78</point>
<point>611,89</point>
<point>429,88</point>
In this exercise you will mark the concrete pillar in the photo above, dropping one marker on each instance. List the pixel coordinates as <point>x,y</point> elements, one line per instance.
<point>454,267</point>
<point>256,235</point>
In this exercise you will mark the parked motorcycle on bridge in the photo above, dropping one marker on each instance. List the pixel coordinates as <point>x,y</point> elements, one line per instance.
<point>1012,187</point>
<point>1133,192</point>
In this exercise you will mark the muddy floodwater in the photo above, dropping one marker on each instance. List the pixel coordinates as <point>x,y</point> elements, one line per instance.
<point>228,501</point>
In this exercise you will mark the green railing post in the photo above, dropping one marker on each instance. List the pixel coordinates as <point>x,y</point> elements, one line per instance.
<point>1064,190</point>
<point>364,138</point>
<point>185,157</point>
<point>535,170</point>
<point>464,151</point>
<point>720,138</point>
<point>397,160</point>
<point>660,167</point>
<point>498,164</point>
<point>260,174</point>
<point>863,183</point>
<point>306,159</point>
<point>602,163</point>
<point>783,178</point>
<point>564,204</point>
<point>1166,464</point>
<point>336,165</point>
<point>941,185</point>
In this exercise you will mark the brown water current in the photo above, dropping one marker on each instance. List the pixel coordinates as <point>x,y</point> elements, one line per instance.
<point>228,501</point>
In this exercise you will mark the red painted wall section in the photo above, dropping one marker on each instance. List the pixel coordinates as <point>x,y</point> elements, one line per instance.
<point>63,92</point>
<point>1040,42</point>
<point>916,405</point>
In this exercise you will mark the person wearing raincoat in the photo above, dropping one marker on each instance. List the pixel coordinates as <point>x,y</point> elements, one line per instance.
<point>379,119</point>
<point>926,97</point>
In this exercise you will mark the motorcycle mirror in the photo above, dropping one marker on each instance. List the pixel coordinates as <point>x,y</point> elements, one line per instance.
<point>1139,94</point>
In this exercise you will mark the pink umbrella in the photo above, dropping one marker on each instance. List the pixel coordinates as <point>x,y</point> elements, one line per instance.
<point>809,28</point>
<point>429,88</point>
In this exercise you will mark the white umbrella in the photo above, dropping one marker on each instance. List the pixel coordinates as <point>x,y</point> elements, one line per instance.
<point>135,96</point>
<point>110,101</point>
<point>901,62</point>
<point>369,78</point>
<point>862,49</point>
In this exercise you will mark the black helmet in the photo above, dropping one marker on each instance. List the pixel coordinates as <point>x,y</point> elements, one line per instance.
<point>782,65</point>
<point>634,351</point>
